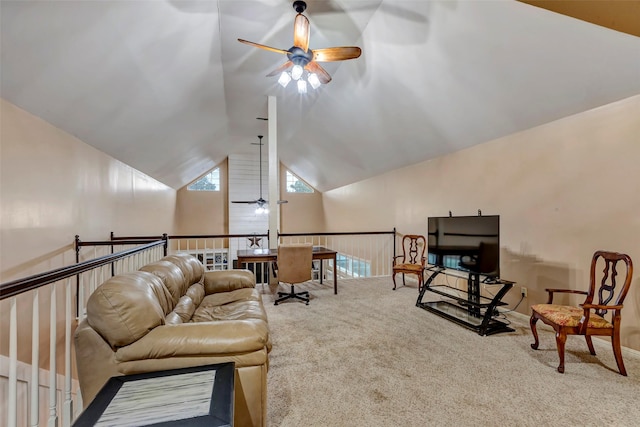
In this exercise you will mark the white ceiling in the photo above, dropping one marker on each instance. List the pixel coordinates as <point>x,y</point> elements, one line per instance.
<point>164,86</point>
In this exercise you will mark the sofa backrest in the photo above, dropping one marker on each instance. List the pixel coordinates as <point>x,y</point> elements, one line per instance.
<point>190,266</point>
<point>126,307</point>
<point>171,276</point>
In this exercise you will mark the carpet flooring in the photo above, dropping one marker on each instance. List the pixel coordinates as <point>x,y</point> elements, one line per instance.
<point>369,357</point>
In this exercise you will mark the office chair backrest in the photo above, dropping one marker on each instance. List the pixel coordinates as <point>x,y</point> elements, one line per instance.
<point>294,262</point>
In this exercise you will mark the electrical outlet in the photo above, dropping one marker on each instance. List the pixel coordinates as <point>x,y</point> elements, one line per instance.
<point>523,291</point>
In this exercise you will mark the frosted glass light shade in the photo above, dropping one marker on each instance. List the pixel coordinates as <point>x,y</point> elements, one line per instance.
<point>302,86</point>
<point>284,79</point>
<point>296,72</point>
<point>314,81</point>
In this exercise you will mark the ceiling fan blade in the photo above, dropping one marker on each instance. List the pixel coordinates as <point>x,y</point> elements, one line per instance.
<point>331,54</point>
<point>301,32</point>
<point>248,202</point>
<point>261,46</point>
<point>323,76</point>
<point>282,201</point>
<point>280,69</point>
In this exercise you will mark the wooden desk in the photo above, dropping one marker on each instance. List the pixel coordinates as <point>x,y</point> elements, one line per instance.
<point>271,255</point>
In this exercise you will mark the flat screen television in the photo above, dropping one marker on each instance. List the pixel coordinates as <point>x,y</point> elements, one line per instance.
<point>467,243</point>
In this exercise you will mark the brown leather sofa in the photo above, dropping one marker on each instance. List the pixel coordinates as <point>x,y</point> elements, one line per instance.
<point>172,314</point>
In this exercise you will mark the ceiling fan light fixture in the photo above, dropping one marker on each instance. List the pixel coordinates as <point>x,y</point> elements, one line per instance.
<point>302,86</point>
<point>284,79</point>
<point>314,81</point>
<point>300,57</point>
<point>296,72</point>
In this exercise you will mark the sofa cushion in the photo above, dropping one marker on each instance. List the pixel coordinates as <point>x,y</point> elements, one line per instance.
<point>126,307</point>
<point>185,308</point>
<point>171,276</point>
<point>241,304</point>
<point>196,293</point>
<point>190,266</point>
<point>227,280</point>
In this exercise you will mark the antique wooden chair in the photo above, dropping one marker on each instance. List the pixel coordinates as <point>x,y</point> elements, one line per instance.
<point>412,260</point>
<point>588,318</point>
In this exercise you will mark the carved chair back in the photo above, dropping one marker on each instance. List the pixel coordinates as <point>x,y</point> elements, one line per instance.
<point>413,248</point>
<point>605,285</point>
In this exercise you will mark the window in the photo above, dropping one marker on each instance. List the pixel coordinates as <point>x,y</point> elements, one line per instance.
<point>353,266</point>
<point>209,182</point>
<point>295,185</point>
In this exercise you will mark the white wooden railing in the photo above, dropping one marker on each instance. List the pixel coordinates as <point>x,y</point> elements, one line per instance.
<point>57,299</point>
<point>360,254</point>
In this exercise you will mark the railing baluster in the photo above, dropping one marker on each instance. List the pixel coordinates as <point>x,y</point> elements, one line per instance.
<point>13,367</point>
<point>68,404</point>
<point>53,420</point>
<point>35,360</point>
<point>81,299</point>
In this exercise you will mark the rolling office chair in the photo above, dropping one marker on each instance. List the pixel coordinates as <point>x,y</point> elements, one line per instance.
<point>294,266</point>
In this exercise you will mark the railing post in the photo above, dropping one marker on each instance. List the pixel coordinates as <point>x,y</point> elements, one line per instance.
<point>113,268</point>
<point>77,244</point>
<point>394,242</point>
<point>165,237</point>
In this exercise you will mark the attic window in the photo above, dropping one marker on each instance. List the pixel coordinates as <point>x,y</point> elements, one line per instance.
<point>209,182</point>
<point>296,185</point>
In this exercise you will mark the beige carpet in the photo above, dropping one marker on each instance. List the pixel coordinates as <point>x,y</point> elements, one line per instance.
<point>369,357</point>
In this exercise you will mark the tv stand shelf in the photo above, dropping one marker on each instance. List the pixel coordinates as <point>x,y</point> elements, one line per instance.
<point>466,308</point>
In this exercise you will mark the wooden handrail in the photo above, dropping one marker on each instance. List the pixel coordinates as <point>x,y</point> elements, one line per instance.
<point>190,236</point>
<point>223,236</point>
<point>343,233</point>
<point>19,286</point>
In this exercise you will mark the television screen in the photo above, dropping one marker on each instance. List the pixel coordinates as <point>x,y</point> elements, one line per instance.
<point>468,243</point>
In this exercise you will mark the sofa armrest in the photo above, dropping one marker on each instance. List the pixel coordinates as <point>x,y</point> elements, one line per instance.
<point>219,338</point>
<point>228,280</point>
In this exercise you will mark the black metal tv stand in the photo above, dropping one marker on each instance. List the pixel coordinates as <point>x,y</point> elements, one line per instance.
<point>469,309</point>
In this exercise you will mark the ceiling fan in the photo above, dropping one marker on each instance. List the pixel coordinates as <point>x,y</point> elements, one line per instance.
<point>300,57</point>
<point>263,205</point>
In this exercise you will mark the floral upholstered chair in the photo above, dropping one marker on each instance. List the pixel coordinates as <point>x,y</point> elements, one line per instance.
<point>589,318</point>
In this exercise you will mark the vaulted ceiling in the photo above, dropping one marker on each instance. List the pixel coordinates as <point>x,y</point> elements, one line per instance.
<point>165,87</point>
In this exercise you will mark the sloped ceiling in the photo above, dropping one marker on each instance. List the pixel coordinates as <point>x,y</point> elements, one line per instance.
<point>165,87</point>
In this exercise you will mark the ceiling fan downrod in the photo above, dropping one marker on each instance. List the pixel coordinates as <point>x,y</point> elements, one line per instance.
<point>299,6</point>
<point>260,163</point>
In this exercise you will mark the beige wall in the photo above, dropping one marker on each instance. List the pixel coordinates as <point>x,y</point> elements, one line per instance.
<point>303,213</point>
<point>562,190</point>
<point>203,212</point>
<point>52,187</point>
